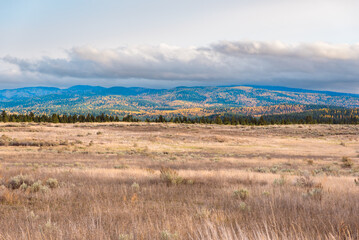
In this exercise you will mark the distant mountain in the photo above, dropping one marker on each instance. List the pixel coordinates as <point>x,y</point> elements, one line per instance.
<point>176,101</point>
<point>9,94</point>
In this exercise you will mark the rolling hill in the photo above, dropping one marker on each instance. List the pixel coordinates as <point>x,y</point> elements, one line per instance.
<point>190,101</point>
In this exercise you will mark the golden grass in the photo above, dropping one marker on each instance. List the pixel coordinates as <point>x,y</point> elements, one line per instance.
<point>113,187</point>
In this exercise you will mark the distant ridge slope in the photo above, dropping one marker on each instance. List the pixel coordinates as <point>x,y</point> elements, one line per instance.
<point>180,100</point>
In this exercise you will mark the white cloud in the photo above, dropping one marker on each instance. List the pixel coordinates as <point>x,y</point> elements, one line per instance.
<point>318,50</point>
<point>309,65</point>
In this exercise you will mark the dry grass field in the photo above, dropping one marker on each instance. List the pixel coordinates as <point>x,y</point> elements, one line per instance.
<point>170,181</point>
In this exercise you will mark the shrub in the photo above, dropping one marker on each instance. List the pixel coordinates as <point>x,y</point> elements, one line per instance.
<point>36,186</point>
<point>149,170</point>
<point>328,170</point>
<point>242,194</point>
<point>189,181</point>
<point>44,189</point>
<point>39,187</point>
<point>135,186</point>
<point>23,187</point>
<point>261,170</point>
<point>244,207</point>
<point>279,181</point>
<point>305,181</point>
<point>5,140</point>
<point>265,193</point>
<point>314,193</point>
<point>356,181</point>
<point>166,235</point>
<point>287,170</point>
<point>347,162</point>
<point>49,227</point>
<point>52,183</point>
<point>171,177</point>
<point>17,181</point>
<point>25,182</point>
<point>124,237</point>
<point>274,169</point>
<point>120,166</point>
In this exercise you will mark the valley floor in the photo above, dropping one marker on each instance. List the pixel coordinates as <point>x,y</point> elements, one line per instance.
<point>178,181</point>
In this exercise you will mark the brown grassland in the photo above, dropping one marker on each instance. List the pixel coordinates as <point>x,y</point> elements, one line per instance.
<point>175,181</point>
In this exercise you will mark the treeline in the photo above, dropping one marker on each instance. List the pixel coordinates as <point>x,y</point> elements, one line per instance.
<point>263,120</point>
<point>324,116</point>
<point>56,118</point>
<point>317,116</point>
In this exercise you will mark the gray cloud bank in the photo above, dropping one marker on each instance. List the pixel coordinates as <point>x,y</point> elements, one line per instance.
<point>308,65</point>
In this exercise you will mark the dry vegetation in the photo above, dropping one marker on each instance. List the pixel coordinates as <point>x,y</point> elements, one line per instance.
<point>167,181</point>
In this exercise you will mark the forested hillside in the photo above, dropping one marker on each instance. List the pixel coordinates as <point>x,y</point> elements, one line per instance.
<point>180,101</point>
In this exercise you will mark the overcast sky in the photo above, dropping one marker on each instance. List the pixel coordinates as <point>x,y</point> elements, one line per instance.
<point>311,44</point>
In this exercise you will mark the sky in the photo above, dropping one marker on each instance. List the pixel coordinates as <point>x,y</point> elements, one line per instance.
<point>312,44</point>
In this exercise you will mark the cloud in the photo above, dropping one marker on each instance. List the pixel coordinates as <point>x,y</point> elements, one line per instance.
<point>161,62</point>
<point>309,65</point>
<point>318,50</point>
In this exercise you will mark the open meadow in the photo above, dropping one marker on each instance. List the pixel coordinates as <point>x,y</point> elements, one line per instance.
<point>178,181</point>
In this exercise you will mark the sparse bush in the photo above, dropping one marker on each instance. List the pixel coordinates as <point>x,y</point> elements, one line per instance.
<point>36,186</point>
<point>24,183</point>
<point>122,166</point>
<point>44,188</point>
<point>242,194</point>
<point>356,181</point>
<point>328,170</point>
<point>244,207</point>
<point>287,170</point>
<point>64,142</point>
<point>189,181</point>
<point>124,237</point>
<point>314,193</point>
<point>52,183</point>
<point>274,169</point>
<point>265,193</point>
<point>305,181</point>
<point>261,170</point>
<point>203,213</point>
<point>17,181</point>
<point>8,141</point>
<point>32,215</point>
<point>149,170</point>
<point>347,162</point>
<point>78,164</point>
<point>135,186</point>
<point>49,227</point>
<point>23,187</point>
<point>171,177</point>
<point>280,181</point>
<point>5,140</point>
<point>166,235</point>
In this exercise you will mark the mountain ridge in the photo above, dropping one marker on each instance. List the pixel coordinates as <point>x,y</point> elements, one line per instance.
<point>111,89</point>
<point>178,100</point>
